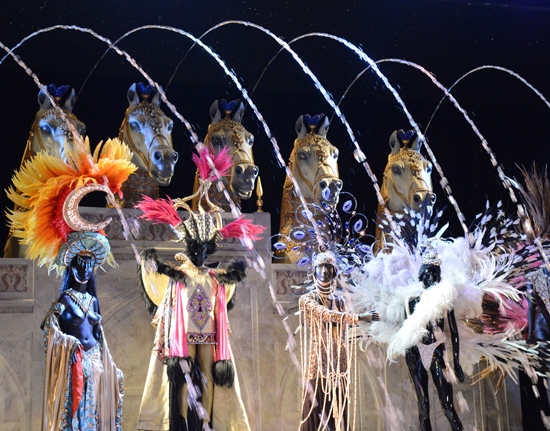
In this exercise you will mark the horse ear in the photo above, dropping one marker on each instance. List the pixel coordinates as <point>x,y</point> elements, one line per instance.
<point>301,130</point>
<point>238,115</point>
<point>69,102</point>
<point>156,99</point>
<point>417,144</point>
<point>133,98</point>
<point>43,100</point>
<point>323,128</point>
<point>395,145</point>
<point>215,113</point>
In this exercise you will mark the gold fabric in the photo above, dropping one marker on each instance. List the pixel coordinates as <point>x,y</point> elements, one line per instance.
<point>228,412</point>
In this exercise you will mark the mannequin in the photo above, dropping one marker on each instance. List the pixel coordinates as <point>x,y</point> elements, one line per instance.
<point>430,275</point>
<point>78,361</point>
<point>326,375</point>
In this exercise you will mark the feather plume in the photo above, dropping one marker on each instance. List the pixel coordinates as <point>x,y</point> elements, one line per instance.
<point>242,228</point>
<point>222,161</point>
<point>536,197</point>
<point>158,211</point>
<point>42,185</point>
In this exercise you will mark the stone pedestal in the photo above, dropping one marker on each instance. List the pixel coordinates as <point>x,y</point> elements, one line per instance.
<point>270,382</point>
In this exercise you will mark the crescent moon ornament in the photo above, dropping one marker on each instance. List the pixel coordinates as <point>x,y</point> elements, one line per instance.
<point>70,209</point>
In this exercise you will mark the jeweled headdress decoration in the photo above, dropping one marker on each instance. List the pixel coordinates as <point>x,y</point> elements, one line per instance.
<point>430,256</point>
<point>338,231</point>
<point>50,190</point>
<point>204,225</point>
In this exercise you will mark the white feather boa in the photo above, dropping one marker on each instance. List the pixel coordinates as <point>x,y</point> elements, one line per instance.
<point>389,281</point>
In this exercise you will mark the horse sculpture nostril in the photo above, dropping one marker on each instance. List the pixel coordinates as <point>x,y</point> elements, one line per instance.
<point>239,170</point>
<point>417,198</point>
<point>432,198</point>
<point>255,170</point>
<point>157,156</point>
<point>339,184</point>
<point>175,157</point>
<point>323,184</point>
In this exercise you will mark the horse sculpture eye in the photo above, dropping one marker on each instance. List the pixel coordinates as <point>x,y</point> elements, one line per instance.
<point>429,169</point>
<point>170,127</point>
<point>335,155</point>
<point>135,125</point>
<point>82,131</point>
<point>396,170</point>
<point>46,129</point>
<point>303,155</point>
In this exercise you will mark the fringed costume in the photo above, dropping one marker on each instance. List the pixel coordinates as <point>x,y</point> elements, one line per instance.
<point>188,304</point>
<point>326,362</point>
<point>83,388</point>
<point>330,243</point>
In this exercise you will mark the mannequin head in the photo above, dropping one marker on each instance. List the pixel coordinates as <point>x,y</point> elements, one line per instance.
<point>325,273</point>
<point>429,275</point>
<point>197,251</point>
<point>79,269</point>
<point>82,267</point>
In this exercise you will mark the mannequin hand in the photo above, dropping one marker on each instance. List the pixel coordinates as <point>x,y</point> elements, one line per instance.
<point>369,317</point>
<point>459,372</point>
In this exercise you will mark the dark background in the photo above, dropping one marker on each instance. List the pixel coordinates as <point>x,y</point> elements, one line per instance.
<point>448,38</point>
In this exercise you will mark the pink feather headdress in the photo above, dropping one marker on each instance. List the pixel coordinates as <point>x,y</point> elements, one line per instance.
<point>202,226</point>
<point>158,211</point>
<point>222,162</point>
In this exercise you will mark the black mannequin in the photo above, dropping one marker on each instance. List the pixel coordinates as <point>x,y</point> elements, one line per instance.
<point>430,275</point>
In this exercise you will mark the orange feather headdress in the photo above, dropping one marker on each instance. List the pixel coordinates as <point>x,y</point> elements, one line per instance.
<point>49,190</point>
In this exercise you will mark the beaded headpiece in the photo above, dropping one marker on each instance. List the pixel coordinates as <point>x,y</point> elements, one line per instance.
<point>325,257</point>
<point>430,256</point>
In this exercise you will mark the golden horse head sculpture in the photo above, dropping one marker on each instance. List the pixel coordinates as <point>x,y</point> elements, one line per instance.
<point>407,178</point>
<point>148,133</point>
<point>314,164</point>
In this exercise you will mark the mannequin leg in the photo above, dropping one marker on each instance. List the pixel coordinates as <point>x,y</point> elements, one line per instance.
<point>419,379</point>
<point>206,361</point>
<point>444,388</point>
<point>183,395</point>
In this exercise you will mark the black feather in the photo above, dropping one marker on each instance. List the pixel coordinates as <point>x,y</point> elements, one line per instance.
<point>223,373</point>
<point>176,379</point>
<point>234,273</point>
<point>163,267</point>
<point>150,305</point>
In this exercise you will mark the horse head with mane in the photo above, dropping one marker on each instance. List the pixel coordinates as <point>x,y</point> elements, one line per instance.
<point>148,133</point>
<point>49,132</point>
<point>314,164</point>
<point>407,178</point>
<point>228,132</point>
